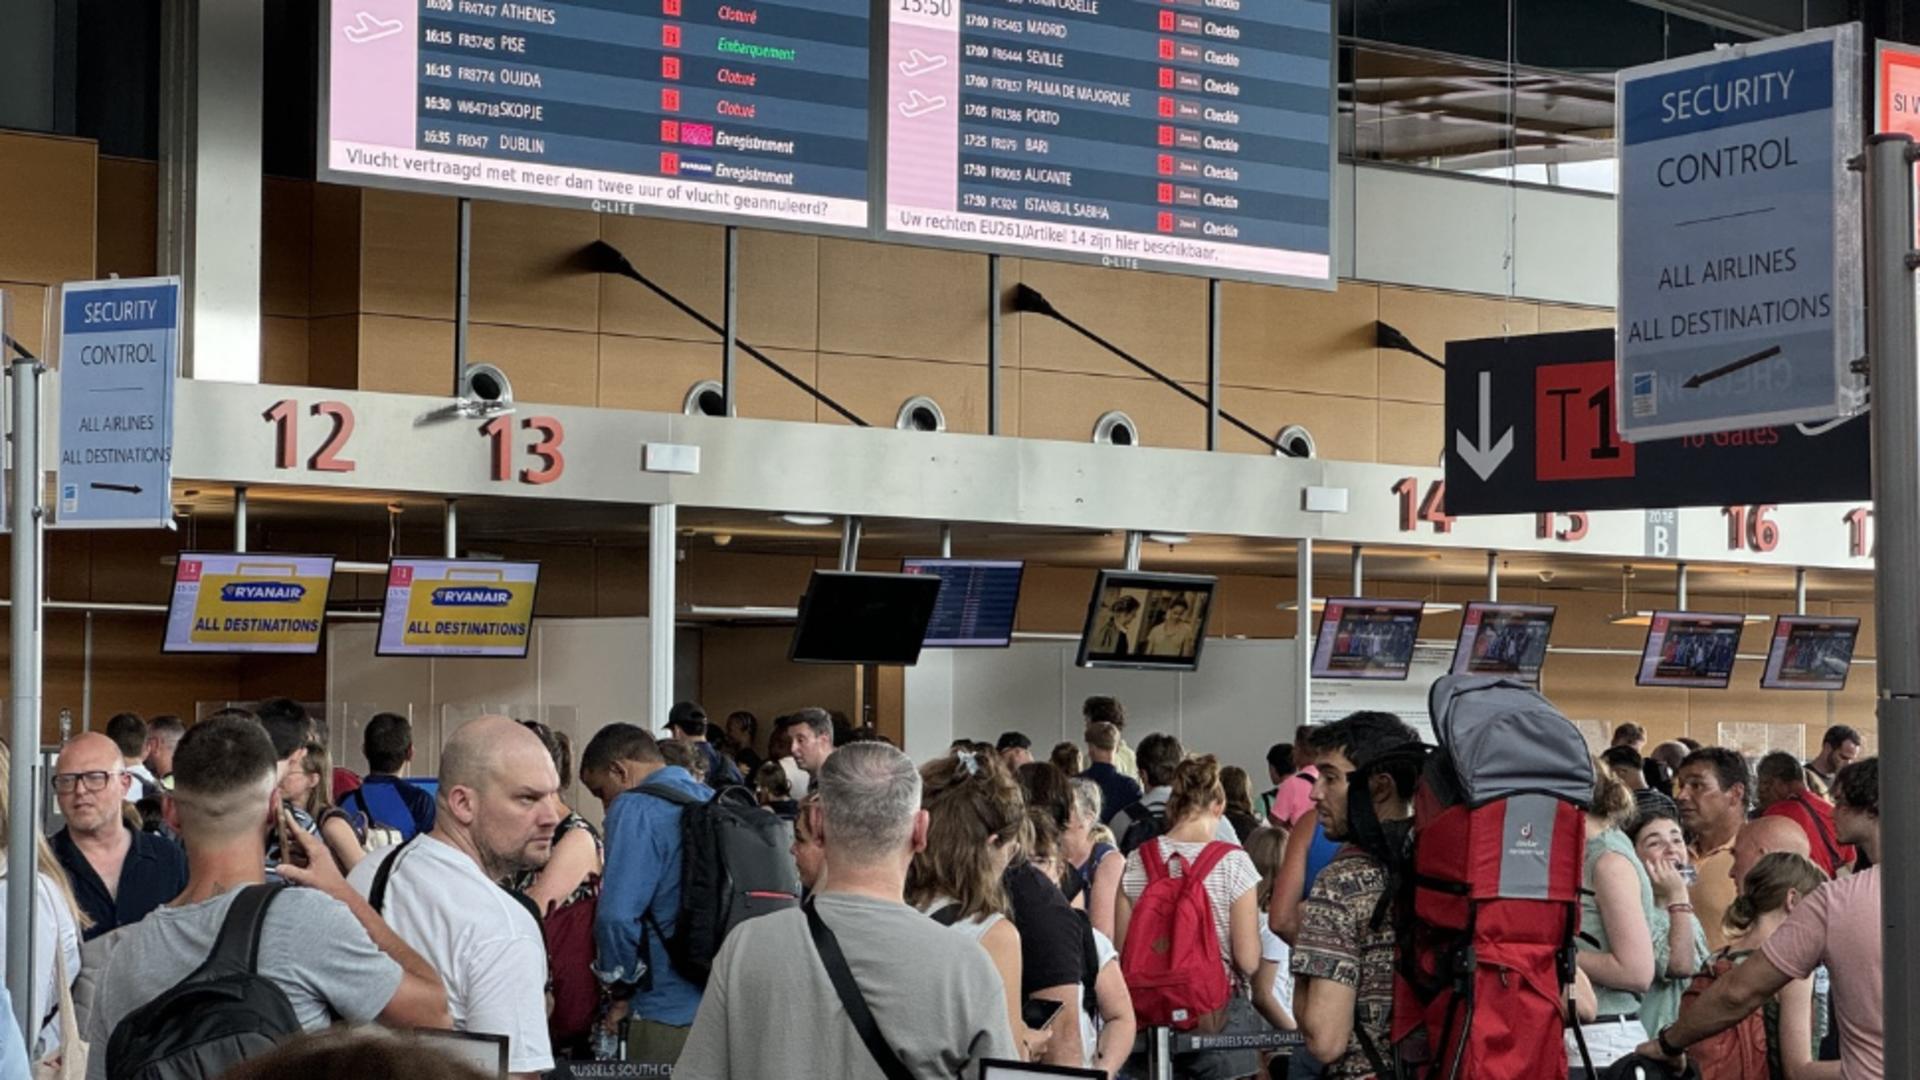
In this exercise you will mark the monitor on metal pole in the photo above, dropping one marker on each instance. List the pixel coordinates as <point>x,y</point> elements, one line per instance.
<point>1367,638</point>
<point>1690,648</point>
<point>860,618</point>
<point>1809,652</point>
<point>1504,639</point>
<point>978,598</point>
<point>1142,620</point>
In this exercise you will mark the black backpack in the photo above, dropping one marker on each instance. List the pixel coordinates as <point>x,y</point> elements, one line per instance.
<point>222,1014</point>
<point>1143,824</point>
<point>736,862</point>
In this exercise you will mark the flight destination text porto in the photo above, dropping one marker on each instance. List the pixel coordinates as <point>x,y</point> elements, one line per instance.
<point>738,107</point>
<point>1182,134</point>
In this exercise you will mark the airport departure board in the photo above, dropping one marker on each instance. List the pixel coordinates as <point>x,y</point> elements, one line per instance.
<point>1191,135</point>
<point>753,109</point>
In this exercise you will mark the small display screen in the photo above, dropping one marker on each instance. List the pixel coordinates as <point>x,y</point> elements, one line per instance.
<point>224,602</point>
<point>1141,620</point>
<point>1810,653</point>
<point>1504,639</point>
<point>977,601</point>
<point>855,618</point>
<point>1690,648</point>
<point>1367,639</point>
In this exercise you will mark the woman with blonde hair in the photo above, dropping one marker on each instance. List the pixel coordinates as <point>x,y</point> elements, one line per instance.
<point>1616,916</point>
<point>310,788</point>
<point>57,925</point>
<point>1194,811</point>
<point>1096,864</point>
<point>974,820</point>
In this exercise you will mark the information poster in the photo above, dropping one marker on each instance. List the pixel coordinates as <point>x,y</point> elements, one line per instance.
<point>739,108</point>
<point>248,603</point>
<point>1190,135</point>
<point>458,607</point>
<point>1740,274</point>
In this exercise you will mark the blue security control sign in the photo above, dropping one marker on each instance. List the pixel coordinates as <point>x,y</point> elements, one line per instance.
<point>1739,301</point>
<point>119,356</point>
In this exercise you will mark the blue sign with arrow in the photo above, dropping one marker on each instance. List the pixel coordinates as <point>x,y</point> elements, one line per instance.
<point>119,357</point>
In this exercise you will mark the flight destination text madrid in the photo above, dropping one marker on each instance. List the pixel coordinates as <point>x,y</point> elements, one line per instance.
<point>740,107</point>
<point>1191,134</point>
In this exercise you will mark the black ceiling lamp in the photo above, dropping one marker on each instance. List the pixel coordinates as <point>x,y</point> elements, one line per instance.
<point>1386,336</point>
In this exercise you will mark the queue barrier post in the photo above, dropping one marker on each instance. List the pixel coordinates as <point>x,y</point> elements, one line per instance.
<point>1160,1053</point>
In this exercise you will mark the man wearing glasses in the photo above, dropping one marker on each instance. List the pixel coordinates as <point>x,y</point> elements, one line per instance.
<point>119,873</point>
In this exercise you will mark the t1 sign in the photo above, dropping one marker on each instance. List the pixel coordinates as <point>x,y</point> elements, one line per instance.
<point>1532,426</point>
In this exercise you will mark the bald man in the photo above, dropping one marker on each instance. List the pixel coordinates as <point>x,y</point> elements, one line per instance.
<point>1763,836</point>
<point>493,817</point>
<point>119,874</point>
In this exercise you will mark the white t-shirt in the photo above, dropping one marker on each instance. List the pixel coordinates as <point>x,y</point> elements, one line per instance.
<point>1274,950</point>
<point>1090,1020</point>
<point>143,782</point>
<point>486,947</point>
<point>1230,879</point>
<point>53,926</point>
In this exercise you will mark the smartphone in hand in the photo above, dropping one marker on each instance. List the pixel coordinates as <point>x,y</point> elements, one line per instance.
<point>1038,1013</point>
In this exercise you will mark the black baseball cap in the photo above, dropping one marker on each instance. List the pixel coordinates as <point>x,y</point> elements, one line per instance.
<point>687,716</point>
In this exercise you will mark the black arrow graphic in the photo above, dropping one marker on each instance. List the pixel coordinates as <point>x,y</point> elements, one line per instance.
<point>130,489</point>
<point>1701,379</point>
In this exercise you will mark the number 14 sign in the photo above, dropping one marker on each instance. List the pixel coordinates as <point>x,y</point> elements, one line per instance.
<point>1533,426</point>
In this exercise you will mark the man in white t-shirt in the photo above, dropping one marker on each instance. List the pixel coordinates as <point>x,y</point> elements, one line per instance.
<point>494,816</point>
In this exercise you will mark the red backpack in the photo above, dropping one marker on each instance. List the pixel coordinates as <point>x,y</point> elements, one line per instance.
<point>1738,1052</point>
<point>1493,900</point>
<point>1172,958</point>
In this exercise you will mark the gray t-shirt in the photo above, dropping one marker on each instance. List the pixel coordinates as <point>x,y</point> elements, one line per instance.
<point>311,945</point>
<point>770,1011</point>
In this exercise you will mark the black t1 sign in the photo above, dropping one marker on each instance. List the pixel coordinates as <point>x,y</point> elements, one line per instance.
<point>1532,426</point>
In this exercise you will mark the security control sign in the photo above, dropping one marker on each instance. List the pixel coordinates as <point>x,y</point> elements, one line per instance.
<point>1739,303</point>
<point>119,354</point>
<point>1530,429</point>
<point>242,603</point>
<point>447,607</point>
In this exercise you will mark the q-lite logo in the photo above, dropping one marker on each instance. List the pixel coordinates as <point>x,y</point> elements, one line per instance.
<point>470,596</point>
<point>262,592</point>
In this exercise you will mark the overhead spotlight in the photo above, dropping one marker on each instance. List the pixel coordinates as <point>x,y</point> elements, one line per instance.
<point>1169,538</point>
<point>1390,337</point>
<point>1116,429</point>
<point>810,521</point>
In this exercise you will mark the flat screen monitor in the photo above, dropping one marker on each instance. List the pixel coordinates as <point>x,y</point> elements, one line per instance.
<point>224,602</point>
<point>977,601</point>
<point>1140,620</point>
<point>458,608</point>
<point>860,618</point>
<point>1504,639</point>
<point>1690,648</point>
<point>991,1069</point>
<point>1810,652</point>
<point>1367,639</point>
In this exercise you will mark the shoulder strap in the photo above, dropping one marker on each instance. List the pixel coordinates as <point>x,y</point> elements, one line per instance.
<point>1210,857</point>
<point>667,794</point>
<point>828,946</point>
<point>946,916</point>
<point>1820,826</point>
<point>1152,861</point>
<point>377,894</point>
<point>237,949</point>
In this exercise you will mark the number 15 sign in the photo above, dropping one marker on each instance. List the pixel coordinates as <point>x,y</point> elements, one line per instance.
<point>1532,427</point>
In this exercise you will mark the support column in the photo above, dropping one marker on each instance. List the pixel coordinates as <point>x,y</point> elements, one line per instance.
<point>1357,571</point>
<point>240,519</point>
<point>993,344</point>
<point>850,542</point>
<point>210,117</point>
<point>1493,575</point>
<point>450,529</point>
<point>730,320</point>
<point>25,704</point>
<point>1213,363</point>
<point>663,538</point>
<point>1303,633</point>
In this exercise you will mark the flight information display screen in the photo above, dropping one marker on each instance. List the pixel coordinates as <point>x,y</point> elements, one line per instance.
<point>977,603</point>
<point>735,108</point>
<point>1191,135</point>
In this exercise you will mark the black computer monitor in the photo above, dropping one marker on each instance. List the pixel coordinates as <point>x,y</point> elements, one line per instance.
<point>1142,620</point>
<point>1504,639</point>
<point>1690,648</point>
<point>1810,652</point>
<point>860,618</point>
<point>1367,638</point>
<point>978,598</point>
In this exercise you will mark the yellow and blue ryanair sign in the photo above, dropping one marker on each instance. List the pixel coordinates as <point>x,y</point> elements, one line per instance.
<point>248,603</point>
<point>452,607</point>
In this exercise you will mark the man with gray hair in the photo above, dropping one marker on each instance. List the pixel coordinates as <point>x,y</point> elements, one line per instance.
<point>935,1000</point>
<point>494,816</point>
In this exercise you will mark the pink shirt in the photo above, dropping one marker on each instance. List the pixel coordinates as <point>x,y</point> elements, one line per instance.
<point>1839,926</point>
<point>1293,798</point>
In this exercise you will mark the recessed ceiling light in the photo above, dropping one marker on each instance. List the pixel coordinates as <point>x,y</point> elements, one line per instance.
<point>1167,538</point>
<point>807,520</point>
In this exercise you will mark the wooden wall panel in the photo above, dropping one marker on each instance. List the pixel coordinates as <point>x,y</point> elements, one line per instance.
<point>1249,606</point>
<point>1300,339</point>
<point>1430,320</point>
<point>1053,599</point>
<point>553,367</point>
<point>897,300</point>
<point>525,267</point>
<point>407,256</point>
<point>779,291</point>
<point>747,668</point>
<point>286,247</point>
<point>654,374</point>
<point>1410,433</point>
<point>333,282</point>
<point>48,190</point>
<point>1159,318</point>
<point>873,388</point>
<point>1344,428</point>
<point>127,237</point>
<point>1561,317</point>
<point>283,350</point>
<point>682,257</point>
<point>27,314</point>
<point>408,356</point>
<point>1060,405</point>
